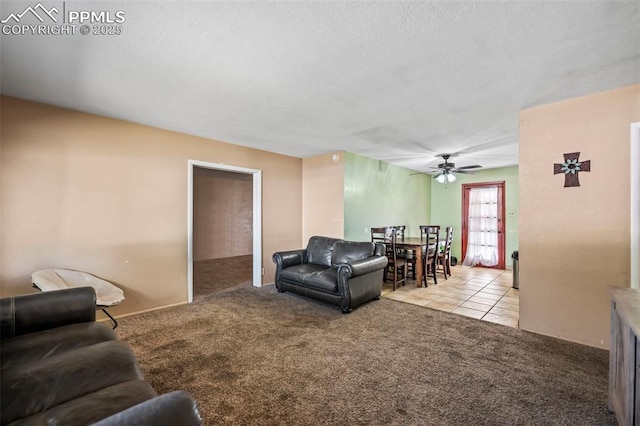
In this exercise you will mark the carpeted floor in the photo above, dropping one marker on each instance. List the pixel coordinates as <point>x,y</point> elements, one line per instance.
<point>214,275</point>
<point>252,356</point>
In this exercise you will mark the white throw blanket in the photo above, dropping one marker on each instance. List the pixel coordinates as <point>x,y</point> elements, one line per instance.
<point>107,294</point>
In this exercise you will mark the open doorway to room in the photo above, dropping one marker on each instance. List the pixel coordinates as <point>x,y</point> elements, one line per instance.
<point>224,228</point>
<point>222,234</point>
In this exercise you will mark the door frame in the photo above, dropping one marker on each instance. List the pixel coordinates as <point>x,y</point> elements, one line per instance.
<point>635,205</point>
<point>501,220</point>
<point>257,218</point>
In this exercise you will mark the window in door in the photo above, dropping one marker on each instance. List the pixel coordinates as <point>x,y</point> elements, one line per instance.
<point>483,225</point>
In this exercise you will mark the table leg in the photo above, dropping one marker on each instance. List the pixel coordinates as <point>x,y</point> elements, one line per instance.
<point>419,270</point>
<point>115,323</point>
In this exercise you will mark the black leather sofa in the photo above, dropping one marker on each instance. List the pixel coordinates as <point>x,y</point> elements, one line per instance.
<point>344,273</point>
<point>59,366</point>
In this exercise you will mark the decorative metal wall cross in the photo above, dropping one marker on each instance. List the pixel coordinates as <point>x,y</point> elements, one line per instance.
<point>571,167</point>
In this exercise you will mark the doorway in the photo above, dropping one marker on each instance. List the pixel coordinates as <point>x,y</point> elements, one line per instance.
<point>215,231</point>
<point>222,235</point>
<point>483,218</point>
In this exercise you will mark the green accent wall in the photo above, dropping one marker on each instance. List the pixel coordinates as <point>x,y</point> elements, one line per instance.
<point>446,206</point>
<point>377,193</point>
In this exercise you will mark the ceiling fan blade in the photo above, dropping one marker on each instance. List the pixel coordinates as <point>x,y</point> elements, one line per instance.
<point>475,166</point>
<point>465,172</point>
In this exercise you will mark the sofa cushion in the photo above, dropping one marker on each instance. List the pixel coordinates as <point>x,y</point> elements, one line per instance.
<point>314,276</point>
<point>325,280</point>
<point>45,383</point>
<point>320,250</point>
<point>43,344</point>
<point>351,251</point>
<point>298,273</point>
<point>94,406</point>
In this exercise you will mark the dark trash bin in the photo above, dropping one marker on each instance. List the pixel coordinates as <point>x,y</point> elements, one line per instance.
<point>516,269</point>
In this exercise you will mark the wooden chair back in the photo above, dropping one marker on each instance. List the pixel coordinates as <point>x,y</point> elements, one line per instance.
<point>448,241</point>
<point>400,230</point>
<point>387,236</point>
<point>444,256</point>
<point>430,240</point>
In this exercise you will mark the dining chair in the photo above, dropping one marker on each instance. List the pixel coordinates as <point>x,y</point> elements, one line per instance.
<point>410,258</point>
<point>444,255</point>
<point>407,255</point>
<point>396,266</point>
<point>379,235</point>
<point>430,240</point>
<point>399,230</point>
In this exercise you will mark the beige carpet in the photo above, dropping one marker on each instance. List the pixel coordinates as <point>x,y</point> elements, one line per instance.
<point>252,356</point>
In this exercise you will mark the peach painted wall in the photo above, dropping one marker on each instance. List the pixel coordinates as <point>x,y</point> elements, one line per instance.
<point>323,196</point>
<point>575,242</point>
<point>110,197</point>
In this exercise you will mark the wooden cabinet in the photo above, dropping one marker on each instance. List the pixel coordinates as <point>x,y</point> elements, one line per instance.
<point>624,356</point>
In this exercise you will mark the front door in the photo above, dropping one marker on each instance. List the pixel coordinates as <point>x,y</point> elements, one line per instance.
<point>483,224</point>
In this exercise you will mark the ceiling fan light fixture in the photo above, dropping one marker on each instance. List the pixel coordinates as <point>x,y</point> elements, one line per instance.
<point>446,177</point>
<point>445,170</point>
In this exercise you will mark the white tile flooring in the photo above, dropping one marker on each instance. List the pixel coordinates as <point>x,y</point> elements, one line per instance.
<point>481,293</point>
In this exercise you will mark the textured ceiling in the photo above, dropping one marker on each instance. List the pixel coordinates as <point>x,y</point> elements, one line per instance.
<point>395,81</point>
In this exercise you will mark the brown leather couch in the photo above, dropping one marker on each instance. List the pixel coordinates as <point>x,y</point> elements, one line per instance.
<point>344,273</point>
<point>59,366</point>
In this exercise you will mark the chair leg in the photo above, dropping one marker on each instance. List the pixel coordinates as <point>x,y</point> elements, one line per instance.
<point>444,269</point>
<point>395,277</point>
<point>413,269</point>
<point>429,268</point>
<point>433,268</point>
<point>425,275</point>
<point>404,274</point>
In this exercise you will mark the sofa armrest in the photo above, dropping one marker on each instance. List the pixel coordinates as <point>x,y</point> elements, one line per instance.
<point>174,408</point>
<point>284,259</point>
<point>43,311</point>
<point>362,267</point>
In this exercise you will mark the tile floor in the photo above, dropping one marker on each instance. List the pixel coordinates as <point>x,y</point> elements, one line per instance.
<point>481,293</point>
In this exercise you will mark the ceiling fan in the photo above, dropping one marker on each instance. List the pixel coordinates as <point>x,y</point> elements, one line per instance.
<point>446,170</point>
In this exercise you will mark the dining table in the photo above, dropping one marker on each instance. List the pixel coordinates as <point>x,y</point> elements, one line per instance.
<point>416,244</point>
